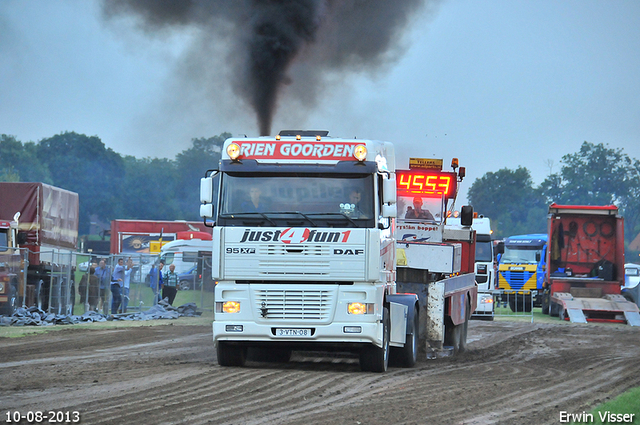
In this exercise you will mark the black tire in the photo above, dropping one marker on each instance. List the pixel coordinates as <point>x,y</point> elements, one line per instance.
<point>407,356</point>
<point>184,285</point>
<point>12,304</point>
<point>462,346</point>
<point>554,309</point>
<point>376,359</point>
<point>231,355</point>
<point>545,303</point>
<point>452,335</point>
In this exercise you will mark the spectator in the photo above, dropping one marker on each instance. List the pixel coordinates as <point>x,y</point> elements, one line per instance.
<point>127,282</point>
<point>103,279</point>
<point>93,289</point>
<point>155,280</point>
<point>82,290</point>
<point>170,287</point>
<point>417,212</point>
<point>117,281</point>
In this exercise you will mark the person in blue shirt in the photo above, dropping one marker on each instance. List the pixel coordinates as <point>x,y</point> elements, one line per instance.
<point>117,281</point>
<point>155,280</point>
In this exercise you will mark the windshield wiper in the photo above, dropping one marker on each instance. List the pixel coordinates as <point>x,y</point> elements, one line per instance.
<point>340,214</point>
<point>266,217</point>
<point>263,215</point>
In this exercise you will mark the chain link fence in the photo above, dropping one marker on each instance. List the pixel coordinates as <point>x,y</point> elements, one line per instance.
<point>66,282</point>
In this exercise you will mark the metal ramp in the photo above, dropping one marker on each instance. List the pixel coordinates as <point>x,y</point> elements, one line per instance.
<point>612,307</point>
<point>632,318</point>
<point>576,315</point>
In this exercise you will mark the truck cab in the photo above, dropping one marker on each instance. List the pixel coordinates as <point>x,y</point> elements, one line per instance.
<point>521,270</point>
<point>304,247</point>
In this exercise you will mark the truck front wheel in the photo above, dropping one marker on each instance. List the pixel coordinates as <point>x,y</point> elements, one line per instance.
<point>231,355</point>
<point>11,304</point>
<point>408,355</point>
<point>376,359</point>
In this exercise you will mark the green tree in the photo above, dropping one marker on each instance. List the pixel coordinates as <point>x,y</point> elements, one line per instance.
<point>20,162</point>
<point>203,155</point>
<point>149,190</point>
<point>84,165</point>
<point>510,200</point>
<point>598,175</point>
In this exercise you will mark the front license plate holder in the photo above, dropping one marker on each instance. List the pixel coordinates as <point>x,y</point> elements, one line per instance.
<point>292,333</point>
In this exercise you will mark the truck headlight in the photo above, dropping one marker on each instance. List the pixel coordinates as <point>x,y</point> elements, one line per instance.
<point>486,299</point>
<point>360,308</point>
<point>233,150</point>
<point>360,152</point>
<point>228,307</point>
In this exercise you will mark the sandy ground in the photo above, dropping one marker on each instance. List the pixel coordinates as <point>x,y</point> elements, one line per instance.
<point>513,373</point>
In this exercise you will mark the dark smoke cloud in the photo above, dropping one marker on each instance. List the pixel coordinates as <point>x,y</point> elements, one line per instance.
<point>265,38</point>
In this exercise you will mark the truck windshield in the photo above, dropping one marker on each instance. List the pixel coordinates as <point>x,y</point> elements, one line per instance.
<point>520,254</point>
<point>301,199</point>
<point>483,251</point>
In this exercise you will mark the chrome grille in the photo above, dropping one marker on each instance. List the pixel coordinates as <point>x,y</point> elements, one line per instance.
<point>287,304</point>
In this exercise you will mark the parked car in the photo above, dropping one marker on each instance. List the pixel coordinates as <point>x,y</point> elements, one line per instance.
<point>190,279</point>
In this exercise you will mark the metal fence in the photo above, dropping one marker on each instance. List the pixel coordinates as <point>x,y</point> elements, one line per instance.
<point>512,303</point>
<point>65,282</point>
<point>142,290</point>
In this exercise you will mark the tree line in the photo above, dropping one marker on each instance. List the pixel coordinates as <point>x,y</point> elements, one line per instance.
<point>113,186</point>
<point>595,175</point>
<point>110,185</point>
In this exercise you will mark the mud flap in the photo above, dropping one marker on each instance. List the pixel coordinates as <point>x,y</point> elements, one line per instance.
<point>633,318</point>
<point>398,324</point>
<point>576,315</point>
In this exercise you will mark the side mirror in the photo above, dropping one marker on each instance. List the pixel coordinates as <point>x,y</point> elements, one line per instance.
<point>466,215</point>
<point>206,190</point>
<point>389,191</point>
<point>389,211</point>
<point>206,210</point>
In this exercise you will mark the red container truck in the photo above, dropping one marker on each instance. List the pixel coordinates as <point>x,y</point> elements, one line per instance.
<point>585,261</point>
<point>39,234</point>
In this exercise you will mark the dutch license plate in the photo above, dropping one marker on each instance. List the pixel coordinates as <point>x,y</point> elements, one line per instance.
<point>293,332</point>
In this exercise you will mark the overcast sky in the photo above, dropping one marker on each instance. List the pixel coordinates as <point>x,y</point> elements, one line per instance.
<point>495,83</point>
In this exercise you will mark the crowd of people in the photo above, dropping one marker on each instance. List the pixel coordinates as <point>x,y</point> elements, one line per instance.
<point>100,278</point>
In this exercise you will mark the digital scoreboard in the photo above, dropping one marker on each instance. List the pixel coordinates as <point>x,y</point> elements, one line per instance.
<point>426,183</point>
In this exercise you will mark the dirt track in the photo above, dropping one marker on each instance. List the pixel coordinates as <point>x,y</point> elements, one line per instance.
<point>514,373</point>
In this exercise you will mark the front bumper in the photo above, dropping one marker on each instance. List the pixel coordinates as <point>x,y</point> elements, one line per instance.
<point>332,333</point>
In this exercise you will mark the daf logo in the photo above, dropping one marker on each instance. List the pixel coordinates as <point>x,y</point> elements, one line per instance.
<point>338,251</point>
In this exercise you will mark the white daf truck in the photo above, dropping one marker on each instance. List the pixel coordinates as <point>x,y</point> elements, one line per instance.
<point>304,250</point>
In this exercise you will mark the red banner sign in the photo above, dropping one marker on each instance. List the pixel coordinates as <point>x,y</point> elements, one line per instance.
<point>297,150</point>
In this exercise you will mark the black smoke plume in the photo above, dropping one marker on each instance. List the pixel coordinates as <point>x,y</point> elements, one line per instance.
<point>266,37</point>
